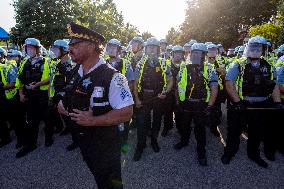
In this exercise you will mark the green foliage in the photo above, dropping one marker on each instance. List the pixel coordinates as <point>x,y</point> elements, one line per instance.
<point>146,35</point>
<point>224,21</point>
<point>47,19</point>
<point>270,31</point>
<point>43,19</point>
<point>173,36</point>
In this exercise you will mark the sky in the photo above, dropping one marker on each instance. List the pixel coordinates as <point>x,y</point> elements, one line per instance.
<point>155,16</point>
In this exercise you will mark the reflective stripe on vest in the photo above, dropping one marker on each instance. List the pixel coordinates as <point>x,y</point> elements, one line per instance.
<point>45,74</point>
<point>124,61</point>
<point>207,73</point>
<point>123,71</point>
<point>163,68</point>
<point>4,75</point>
<point>53,73</point>
<point>240,80</point>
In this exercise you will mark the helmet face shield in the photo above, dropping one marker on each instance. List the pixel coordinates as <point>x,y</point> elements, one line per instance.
<point>196,57</point>
<point>178,56</point>
<point>212,52</point>
<point>135,46</point>
<point>31,50</point>
<point>163,46</point>
<point>152,50</point>
<point>112,50</point>
<point>254,50</point>
<point>56,51</point>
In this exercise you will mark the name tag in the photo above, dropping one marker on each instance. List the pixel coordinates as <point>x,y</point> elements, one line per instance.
<point>98,92</point>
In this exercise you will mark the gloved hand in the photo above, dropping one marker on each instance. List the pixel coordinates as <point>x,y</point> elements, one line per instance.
<point>278,105</point>
<point>239,106</point>
<point>209,110</point>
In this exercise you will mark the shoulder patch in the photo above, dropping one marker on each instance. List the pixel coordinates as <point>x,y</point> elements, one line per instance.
<point>120,81</point>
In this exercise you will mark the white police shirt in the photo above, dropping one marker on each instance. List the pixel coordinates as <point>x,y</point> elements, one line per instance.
<point>119,92</point>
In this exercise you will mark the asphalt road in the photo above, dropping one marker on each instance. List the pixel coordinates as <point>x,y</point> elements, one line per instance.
<point>53,167</point>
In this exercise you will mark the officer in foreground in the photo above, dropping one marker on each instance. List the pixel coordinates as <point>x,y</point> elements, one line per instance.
<point>153,83</point>
<point>60,70</point>
<point>113,49</point>
<point>97,100</point>
<point>251,87</point>
<point>33,84</point>
<point>197,93</point>
<point>10,102</point>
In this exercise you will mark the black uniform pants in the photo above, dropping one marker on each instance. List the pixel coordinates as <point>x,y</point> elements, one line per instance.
<point>12,110</point>
<point>53,120</point>
<point>144,122</point>
<point>257,122</point>
<point>236,123</point>
<point>4,130</point>
<point>100,148</point>
<point>36,108</point>
<point>169,109</point>
<point>200,120</point>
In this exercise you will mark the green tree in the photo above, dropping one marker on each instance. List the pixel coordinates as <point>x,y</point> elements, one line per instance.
<point>225,21</point>
<point>146,35</point>
<point>103,17</point>
<point>173,36</point>
<point>270,31</point>
<point>47,19</point>
<point>43,19</point>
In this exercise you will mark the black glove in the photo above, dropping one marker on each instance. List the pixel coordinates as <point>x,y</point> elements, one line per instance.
<point>209,110</point>
<point>239,106</point>
<point>278,105</point>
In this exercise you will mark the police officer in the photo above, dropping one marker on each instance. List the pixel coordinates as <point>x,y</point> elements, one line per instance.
<point>4,130</point>
<point>135,54</point>
<point>16,56</point>
<point>113,49</point>
<point>249,83</point>
<point>153,82</point>
<point>60,68</point>
<point>10,103</point>
<point>219,66</point>
<point>97,100</point>
<point>123,52</point>
<point>136,51</point>
<point>33,81</point>
<point>221,50</point>
<point>187,48</point>
<point>280,79</point>
<point>163,48</point>
<point>231,53</point>
<point>198,88</point>
<point>168,52</point>
<point>240,51</point>
<point>171,103</point>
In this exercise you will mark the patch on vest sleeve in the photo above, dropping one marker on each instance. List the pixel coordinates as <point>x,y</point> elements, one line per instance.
<point>124,94</point>
<point>120,81</point>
